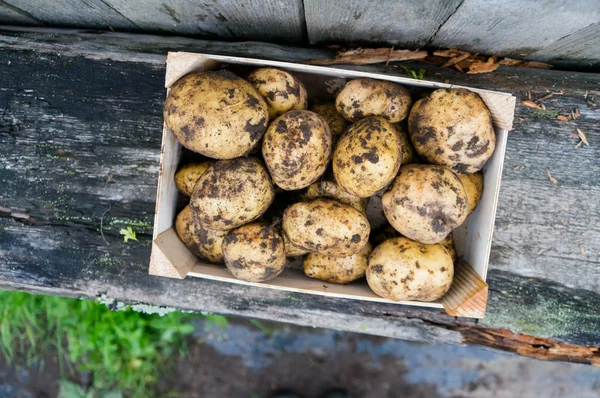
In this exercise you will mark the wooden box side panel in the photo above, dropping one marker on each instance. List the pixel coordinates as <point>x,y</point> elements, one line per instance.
<point>468,294</point>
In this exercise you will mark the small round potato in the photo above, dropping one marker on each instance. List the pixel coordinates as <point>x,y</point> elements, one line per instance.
<point>402,269</point>
<point>296,149</point>
<point>474,186</point>
<point>204,243</point>
<point>367,157</point>
<point>326,227</point>
<point>369,97</point>
<point>340,270</point>
<point>232,193</point>
<point>425,202</point>
<point>448,243</point>
<point>409,155</point>
<point>217,114</point>
<point>292,250</point>
<point>254,252</point>
<point>453,128</point>
<point>188,174</point>
<point>330,190</point>
<point>282,91</point>
<point>337,123</point>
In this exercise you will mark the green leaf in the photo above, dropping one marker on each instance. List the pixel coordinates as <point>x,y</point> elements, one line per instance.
<point>66,389</point>
<point>128,234</point>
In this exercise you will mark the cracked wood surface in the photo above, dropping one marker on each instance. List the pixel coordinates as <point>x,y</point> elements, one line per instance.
<point>79,145</point>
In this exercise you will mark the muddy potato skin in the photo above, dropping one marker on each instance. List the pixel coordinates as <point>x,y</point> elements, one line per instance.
<point>204,243</point>
<point>292,250</point>
<point>331,190</point>
<point>367,157</point>
<point>425,203</point>
<point>409,155</point>
<point>216,113</point>
<point>448,243</point>
<point>453,128</point>
<point>340,270</point>
<point>365,97</point>
<point>188,174</point>
<point>473,184</point>
<point>337,123</point>
<point>254,252</point>
<point>402,269</point>
<point>282,91</point>
<point>296,149</point>
<point>327,227</point>
<point>232,193</point>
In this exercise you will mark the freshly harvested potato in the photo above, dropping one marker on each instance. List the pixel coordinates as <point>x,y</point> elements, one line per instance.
<point>204,243</point>
<point>367,157</point>
<point>448,243</point>
<point>188,174</point>
<point>292,250</point>
<point>296,148</point>
<point>232,193</point>
<point>339,270</point>
<point>216,113</point>
<point>409,155</point>
<point>453,128</point>
<point>337,123</point>
<point>474,186</point>
<point>402,269</point>
<point>425,202</point>
<point>331,190</point>
<point>365,97</point>
<point>282,91</point>
<point>326,226</point>
<point>254,252</point>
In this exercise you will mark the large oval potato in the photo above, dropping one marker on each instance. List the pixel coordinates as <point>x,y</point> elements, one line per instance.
<point>188,174</point>
<point>367,157</point>
<point>336,122</point>
<point>365,97</point>
<point>292,250</point>
<point>473,184</point>
<point>340,270</point>
<point>401,269</point>
<point>282,91</point>
<point>296,149</point>
<point>254,252</point>
<point>409,155</point>
<point>327,227</point>
<point>232,193</point>
<point>448,243</point>
<point>331,190</point>
<point>204,243</point>
<point>425,202</point>
<point>216,113</point>
<point>453,128</point>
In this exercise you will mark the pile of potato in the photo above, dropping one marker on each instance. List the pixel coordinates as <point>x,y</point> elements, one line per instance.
<point>277,180</point>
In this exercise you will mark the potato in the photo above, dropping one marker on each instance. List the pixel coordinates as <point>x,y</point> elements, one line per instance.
<point>425,203</point>
<point>365,97</point>
<point>448,243</point>
<point>254,252</point>
<point>402,269</point>
<point>292,250</point>
<point>216,113</point>
<point>367,157</point>
<point>188,174</point>
<point>282,91</point>
<point>453,128</point>
<point>296,149</point>
<point>339,270</point>
<point>337,123</point>
<point>326,226</point>
<point>331,190</point>
<point>232,193</point>
<point>204,243</point>
<point>473,184</point>
<point>409,155</point>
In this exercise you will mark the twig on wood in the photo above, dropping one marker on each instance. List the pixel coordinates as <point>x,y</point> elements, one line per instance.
<point>583,137</point>
<point>102,223</point>
<point>552,179</point>
<point>531,104</point>
<point>365,56</point>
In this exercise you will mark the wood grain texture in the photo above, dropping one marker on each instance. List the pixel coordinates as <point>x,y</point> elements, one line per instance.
<point>407,23</point>
<point>79,147</point>
<point>12,15</point>
<point>468,294</point>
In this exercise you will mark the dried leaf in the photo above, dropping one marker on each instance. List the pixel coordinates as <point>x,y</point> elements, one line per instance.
<point>576,113</point>
<point>507,157</point>
<point>583,137</point>
<point>579,145</point>
<point>538,149</point>
<point>365,56</point>
<point>552,179</point>
<point>510,62</point>
<point>456,59</point>
<point>517,167</point>
<point>582,250</point>
<point>524,64</point>
<point>564,118</point>
<point>531,104</point>
<point>577,240</point>
<point>529,94</point>
<point>450,53</point>
<point>484,67</point>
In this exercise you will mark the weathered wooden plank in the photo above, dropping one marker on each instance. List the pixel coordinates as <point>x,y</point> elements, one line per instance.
<point>407,23</point>
<point>10,14</point>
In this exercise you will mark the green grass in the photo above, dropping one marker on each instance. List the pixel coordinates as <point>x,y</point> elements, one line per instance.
<point>419,75</point>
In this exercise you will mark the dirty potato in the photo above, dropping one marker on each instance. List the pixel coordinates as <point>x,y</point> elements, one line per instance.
<point>409,155</point>
<point>425,202</point>
<point>326,226</point>
<point>453,128</point>
<point>188,174</point>
<point>365,97</point>
<point>340,270</point>
<point>292,250</point>
<point>296,149</point>
<point>204,243</point>
<point>216,113</point>
<point>254,252</point>
<point>282,91</point>
<point>402,269</point>
<point>473,184</point>
<point>337,123</point>
<point>367,157</point>
<point>232,193</point>
<point>448,243</point>
<point>331,190</point>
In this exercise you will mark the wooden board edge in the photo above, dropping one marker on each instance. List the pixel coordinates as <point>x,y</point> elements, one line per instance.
<point>468,294</point>
<point>170,258</point>
<point>502,108</point>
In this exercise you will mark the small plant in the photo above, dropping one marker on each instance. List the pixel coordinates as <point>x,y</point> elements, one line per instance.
<point>414,74</point>
<point>540,114</point>
<point>128,234</point>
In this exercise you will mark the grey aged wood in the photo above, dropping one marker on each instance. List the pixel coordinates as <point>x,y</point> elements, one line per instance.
<point>80,130</point>
<point>10,14</point>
